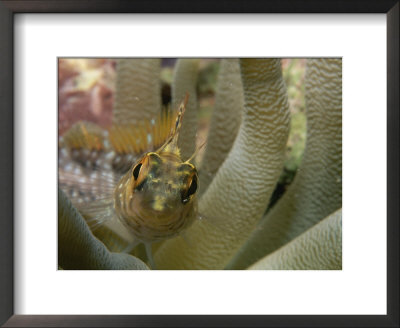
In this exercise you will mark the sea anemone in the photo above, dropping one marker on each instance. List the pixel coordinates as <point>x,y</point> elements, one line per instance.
<point>241,166</point>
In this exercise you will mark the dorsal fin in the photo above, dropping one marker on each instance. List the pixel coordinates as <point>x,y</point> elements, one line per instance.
<point>139,138</point>
<point>127,138</point>
<point>171,144</point>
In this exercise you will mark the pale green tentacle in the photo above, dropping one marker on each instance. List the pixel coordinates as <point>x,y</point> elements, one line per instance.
<point>78,249</point>
<point>225,120</point>
<point>317,188</point>
<point>319,248</point>
<point>138,91</point>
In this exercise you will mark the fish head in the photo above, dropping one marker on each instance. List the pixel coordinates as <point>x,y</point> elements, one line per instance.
<point>156,198</point>
<point>163,185</point>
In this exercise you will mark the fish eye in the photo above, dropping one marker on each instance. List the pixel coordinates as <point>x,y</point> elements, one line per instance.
<point>136,171</point>
<point>190,191</point>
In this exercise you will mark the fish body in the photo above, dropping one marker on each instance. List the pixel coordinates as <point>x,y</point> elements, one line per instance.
<point>153,195</point>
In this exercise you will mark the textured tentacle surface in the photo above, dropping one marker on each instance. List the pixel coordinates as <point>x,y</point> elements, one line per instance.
<point>138,92</point>
<point>240,191</point>
<point>78,249</point>
<point>317,188</point>
<point>184,81</point>
<point>225,120</point>
<point>319,248</point>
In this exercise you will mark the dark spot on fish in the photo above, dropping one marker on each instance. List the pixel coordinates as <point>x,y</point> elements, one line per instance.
<point>186,193</point>
<point>136,171</point>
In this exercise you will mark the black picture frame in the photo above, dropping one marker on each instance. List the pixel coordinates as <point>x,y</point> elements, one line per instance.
<point>11,7</point>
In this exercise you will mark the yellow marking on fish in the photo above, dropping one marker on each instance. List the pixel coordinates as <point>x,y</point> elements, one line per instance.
<point>158,203</point>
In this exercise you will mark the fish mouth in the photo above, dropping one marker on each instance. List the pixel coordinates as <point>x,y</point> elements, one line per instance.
<point>164,211</point>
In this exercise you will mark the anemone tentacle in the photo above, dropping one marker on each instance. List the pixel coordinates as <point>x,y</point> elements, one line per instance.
<point>317,188</point>
<point>319,248</point>
<point>138,92</point>
<point>225,120</point>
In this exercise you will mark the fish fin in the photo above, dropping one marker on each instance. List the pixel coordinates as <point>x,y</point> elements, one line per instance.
<point>131,246</point>
<point>97,182</point>
<point>120,229</point>
<point>98,212</point>
<point>83,186</point>
<point>111,239</point>
<point>149,254</point>
<point>171,143</point>
<point>143,137</point>
<point>84,174</point>
<point>90,191</point>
